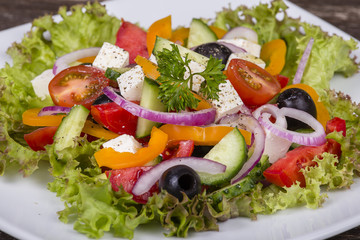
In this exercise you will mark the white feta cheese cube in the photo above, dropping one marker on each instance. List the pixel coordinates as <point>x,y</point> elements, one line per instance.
<point>250,47</point>
<point>41,83</point>
<point>229,101</point>
<point>197,79</point>
<point>123,143</point>
<point>111,56</point>
<point>131,83</point>
<point>247,57</point>
<point>152,58</point>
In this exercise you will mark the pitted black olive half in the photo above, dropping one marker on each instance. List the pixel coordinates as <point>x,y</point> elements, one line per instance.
<point>214,49</point>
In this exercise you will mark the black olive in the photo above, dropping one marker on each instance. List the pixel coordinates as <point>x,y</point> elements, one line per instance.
<point>178,179</point>
<point>299,99</point>
<point>214,49</point>
<point>201,151</point>
<point>103,99</point>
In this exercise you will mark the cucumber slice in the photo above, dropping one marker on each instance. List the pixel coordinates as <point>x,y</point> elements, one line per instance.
<point>200,33</point>
<point>70,127</point>
<point>149,100</point>
<point>162,43</point>
<point>114,73</point>
<point>230,151</point>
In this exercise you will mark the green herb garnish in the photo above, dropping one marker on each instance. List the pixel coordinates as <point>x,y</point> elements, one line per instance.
<point>176,89</point>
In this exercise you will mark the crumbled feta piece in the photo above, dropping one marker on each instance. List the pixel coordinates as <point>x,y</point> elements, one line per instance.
<point>152,58</point>
<point>41,83</point>
<point>229,101</point>
<point>197,79</point>
<point>247,57</point>
<point>123,143</point>
<point>250,47</point>
<point>131,83</point>
<point>111,56</point>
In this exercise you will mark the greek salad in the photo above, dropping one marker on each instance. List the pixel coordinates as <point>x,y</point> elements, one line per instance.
<point>186,126</point>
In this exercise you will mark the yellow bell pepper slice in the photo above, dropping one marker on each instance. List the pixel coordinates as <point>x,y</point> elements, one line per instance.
<point>161,28</point>
<point>30,117</point>
<point>274,53</point>
<point>108,157</point>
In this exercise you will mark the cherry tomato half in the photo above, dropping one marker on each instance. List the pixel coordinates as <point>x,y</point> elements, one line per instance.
<point>254,85</point>
<point>79,85</point>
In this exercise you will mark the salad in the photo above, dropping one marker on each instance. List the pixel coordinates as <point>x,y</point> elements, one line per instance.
<point>85,179</point>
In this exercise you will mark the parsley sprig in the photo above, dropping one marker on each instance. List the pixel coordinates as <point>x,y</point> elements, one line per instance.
<point>176,89</point>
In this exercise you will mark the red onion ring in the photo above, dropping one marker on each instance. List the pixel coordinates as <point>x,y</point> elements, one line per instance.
<point>303,61</point>
<point>242,32</point>
<point>64,61</point>
<point>198,118</point>
<point>315,138</point>
<point>248,123</point>
<point>149,178</point>
<point>52,110</point>
<point>275,147</point>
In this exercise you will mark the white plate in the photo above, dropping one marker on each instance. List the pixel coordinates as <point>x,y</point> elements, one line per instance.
<point>28,209</point>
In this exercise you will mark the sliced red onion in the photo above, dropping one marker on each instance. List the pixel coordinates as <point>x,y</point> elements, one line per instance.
<point>303,61</point>
<point>232,47</point>
<point>149,178</point>
<point>52,110</point>
<point>275,147</point>
<point>198,118</point>
<point>242,32</point>
<point>64,61</point>
<point>315,138</point>
<point>248,123</point>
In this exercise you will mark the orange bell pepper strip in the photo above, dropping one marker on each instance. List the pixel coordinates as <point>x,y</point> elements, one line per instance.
<point>30,117</point>
<point>204,136</point>
<point>180,35</point>
<point>98,131</point>
<point>108,157</point>
<point>161,28</point>
<point>219,32</point>
<point>149,68</point>
<point>274,53</point>
<point>323,115</point>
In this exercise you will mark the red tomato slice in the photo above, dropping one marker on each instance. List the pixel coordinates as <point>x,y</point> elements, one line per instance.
<point>80,85</point>
<point>39,138</point>
<point>285,171</point>
<point>283,80</point>
<point>132,39</point>
<point>336,124</point>
<point>184,149</point>
<point>254,85</point>
<point>114,118</point>
<point>127,178</point>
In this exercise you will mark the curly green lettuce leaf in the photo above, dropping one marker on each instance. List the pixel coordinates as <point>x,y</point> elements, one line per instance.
<point>94,208</point>
<point>180,217</point>
<point>330,54</point>
<point>32,56</point>
<point>340,105</point>
<point>79,29</point>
